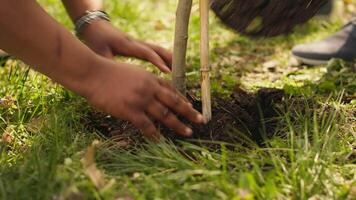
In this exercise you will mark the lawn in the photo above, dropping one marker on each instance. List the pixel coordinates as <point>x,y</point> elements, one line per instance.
<point>50,149</point>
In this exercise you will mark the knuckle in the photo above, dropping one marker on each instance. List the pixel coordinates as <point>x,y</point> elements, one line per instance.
<point>171,119</point>
<point>143,123</point>
<point>169,97</point>
<point>166,116</point>
<point>176,99</point>
<point>139,122</point>
<point>149,130</point>
<point>146,52</point>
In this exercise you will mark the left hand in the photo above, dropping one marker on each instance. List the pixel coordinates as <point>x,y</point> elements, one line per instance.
<point>103,38</point>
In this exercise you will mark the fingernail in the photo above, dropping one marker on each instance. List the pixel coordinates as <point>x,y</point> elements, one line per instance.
<point>188,132</point>
<point>205,122</point>
<point>200,118</point>
<point>167,70</point>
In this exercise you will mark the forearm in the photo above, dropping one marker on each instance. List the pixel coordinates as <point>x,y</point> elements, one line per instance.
<point>77,8</point>
<point>30,34</point>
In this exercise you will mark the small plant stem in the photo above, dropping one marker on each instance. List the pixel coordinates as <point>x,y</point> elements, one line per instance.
<point>204,59</point>
<point>180,45</point>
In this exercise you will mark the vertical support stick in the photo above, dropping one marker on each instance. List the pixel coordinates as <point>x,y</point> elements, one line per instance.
<point>204,59</point>
<point>180,45</point>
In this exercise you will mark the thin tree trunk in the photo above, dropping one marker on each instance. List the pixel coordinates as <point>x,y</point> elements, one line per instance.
<point>180,45</point>
<point>204,59</point>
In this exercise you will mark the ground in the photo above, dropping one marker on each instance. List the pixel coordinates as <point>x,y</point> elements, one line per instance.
<point>54,146</point>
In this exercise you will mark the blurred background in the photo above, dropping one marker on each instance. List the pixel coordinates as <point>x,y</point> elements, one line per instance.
<point>336,9</point>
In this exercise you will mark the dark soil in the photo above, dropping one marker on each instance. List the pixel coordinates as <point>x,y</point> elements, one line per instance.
<point>253,115</point>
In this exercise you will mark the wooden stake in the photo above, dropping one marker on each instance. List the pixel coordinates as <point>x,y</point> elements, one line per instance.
<point>204,59</point>
<point>180,45</point>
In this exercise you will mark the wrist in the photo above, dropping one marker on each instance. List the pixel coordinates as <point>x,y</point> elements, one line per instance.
<point>95,27</point>
<point>88,18</point>
<point>92,76</point>
<point>76,76</point>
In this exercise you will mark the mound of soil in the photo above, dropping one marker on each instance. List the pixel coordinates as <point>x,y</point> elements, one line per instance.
<point>253,115</point>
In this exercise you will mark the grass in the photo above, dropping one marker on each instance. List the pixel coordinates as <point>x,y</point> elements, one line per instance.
<point>311,156</point>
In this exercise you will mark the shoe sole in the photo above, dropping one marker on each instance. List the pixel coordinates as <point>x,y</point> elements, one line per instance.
<point>313,62</point>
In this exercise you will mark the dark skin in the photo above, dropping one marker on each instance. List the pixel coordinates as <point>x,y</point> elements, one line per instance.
<point>106,40</point>
<point>33,36</point>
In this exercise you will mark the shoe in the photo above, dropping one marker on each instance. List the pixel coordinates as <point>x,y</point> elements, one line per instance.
<point>341,45</point>
<point>3,55</point>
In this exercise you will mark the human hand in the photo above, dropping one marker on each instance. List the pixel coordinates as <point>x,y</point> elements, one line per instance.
<point>130,93</point>
<point>106,40</point>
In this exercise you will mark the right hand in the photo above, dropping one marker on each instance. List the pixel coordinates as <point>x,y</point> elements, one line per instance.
<point>130,93</point>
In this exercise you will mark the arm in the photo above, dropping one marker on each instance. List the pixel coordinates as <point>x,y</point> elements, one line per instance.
<point>30,34</point>
<point>106,40</point>
<point>33,36</point>
<point>77,8</point>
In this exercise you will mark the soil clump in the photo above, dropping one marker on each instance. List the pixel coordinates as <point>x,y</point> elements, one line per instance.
<point>254,115</point>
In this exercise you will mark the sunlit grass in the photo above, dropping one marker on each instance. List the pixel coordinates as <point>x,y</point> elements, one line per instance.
<point>310,156</point>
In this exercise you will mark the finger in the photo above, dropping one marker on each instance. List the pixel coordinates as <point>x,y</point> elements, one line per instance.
<point>162,114</point>
<point>166,55</point>
<point>144,123</point>
<point>177,104</point>
<point>150,55</point>
<point>169,86</point>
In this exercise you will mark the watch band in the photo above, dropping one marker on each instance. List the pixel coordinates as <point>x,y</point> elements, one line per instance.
<point>88,18</point>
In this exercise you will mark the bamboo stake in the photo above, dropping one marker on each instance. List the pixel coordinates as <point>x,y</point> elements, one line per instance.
<point>180,45</point>
<point>204,59</point>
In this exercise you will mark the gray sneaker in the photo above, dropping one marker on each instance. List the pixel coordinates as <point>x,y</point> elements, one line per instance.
<point>340,45</point>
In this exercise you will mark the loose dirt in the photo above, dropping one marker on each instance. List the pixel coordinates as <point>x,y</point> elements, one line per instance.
<point>253,115</point>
